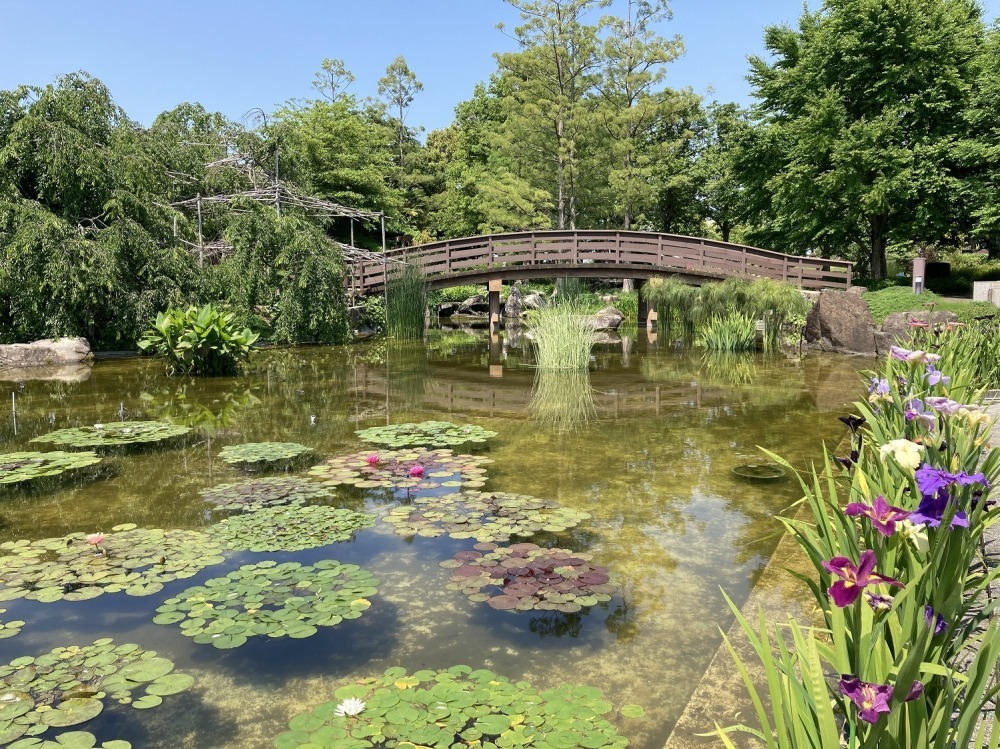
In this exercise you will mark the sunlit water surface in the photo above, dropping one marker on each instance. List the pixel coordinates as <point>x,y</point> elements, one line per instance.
<point>650,458</point>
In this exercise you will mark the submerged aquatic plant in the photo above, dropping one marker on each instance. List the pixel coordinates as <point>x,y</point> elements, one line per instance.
<point>397,469</point>
<point>277,600</point>
<point>526,577</point>
<point>69,686</point>
<point>288,528</point>
<point>425,434</point>
<point>456,707</point>
<point>18,468</point>
<point>135,560</point>
<point>257,455</point>
<point>494,516</point>
<point>115,434</point>
<point>266,492</point>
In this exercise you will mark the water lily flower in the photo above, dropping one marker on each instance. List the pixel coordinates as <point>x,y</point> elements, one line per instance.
<point>905,452</point>
<point>935,376</point>
<point>854,577</point>
<point>95,539</point>
<point>854,422</point>
<point>873,699</point>
<point>416,471</point>
<point>98,426</point>
<point>878,601</point>
<point>350,706</point>
<point>934,620</point>
<point>915,410</point>
<point>883,515</point>
<point>373,460</point>
<point>913,357</point>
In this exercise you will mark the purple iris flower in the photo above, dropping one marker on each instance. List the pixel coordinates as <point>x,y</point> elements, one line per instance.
<point>915,410</point>
<point>850,460</point>
<point>934,376</point>
<point>854,577</point>
<point>931,480</point>
<point>873,699</point>
<point>944,405</point>
<point>933,484</point>
<point>854,422</point>
<point>935,620</point>
<point>878,601</point>
<point>932,509</point>
<point>883,515</point>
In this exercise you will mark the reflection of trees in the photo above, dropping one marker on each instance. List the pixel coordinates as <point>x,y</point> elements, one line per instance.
<point>209,418</point>
<point>556,624</point>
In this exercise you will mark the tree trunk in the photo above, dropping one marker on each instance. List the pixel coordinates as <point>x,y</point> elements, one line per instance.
<point>879,236</point>
<point>726,228</point>
<point>628,284</point>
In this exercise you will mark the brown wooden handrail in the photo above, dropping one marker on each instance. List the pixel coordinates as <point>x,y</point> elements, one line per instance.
<point>598,253</point>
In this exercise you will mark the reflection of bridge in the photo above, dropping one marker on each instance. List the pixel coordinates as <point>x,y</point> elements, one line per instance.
<point>470,391</point>
<point>598,254</point>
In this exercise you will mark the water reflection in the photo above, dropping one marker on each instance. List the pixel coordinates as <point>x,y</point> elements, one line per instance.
<point>562,401</point>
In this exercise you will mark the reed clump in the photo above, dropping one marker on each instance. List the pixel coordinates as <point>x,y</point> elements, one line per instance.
<point>405,302</point>
<point>563,336</point>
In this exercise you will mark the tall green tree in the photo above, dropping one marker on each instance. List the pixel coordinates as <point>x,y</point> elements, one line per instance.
<point>333,79</point>
<point>860,107</point>
<point>397,88</point>
<point>721,194</point>
<point>979,153</point>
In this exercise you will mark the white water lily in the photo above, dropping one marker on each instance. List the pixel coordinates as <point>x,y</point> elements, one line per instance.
<point>907,454</point>
<point>98,426</point>
<point>350,706</point>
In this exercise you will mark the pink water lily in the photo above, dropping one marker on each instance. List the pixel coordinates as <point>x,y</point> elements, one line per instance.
<point>416,471</point>
<point>854,577</point>
<point>95,539</point>
<point>373,460</point>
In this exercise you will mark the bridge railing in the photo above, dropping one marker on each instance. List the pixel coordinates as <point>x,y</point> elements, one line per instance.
<point>644,252</point>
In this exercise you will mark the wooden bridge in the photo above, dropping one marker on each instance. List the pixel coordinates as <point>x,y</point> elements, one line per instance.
<point>596,254</point>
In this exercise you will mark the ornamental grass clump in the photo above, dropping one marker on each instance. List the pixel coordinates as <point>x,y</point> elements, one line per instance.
<point>563,336</point>
<point>405,302</point>
<point>732,331</point>
<point>895,536</point>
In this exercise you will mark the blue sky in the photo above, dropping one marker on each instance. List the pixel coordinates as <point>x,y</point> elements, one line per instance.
<point>233,55</point>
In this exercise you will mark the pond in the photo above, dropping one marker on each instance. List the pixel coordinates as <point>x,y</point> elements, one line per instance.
<point>646,446</point>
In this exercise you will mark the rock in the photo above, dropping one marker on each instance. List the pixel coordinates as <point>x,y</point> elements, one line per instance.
<point>533,301</point>
<point>898,327</point>
<point>608,319</point>
<point>354,315</point>
<point>474,305</point>
<point>840,321</point>
<point>515,304</point>
<point>45,353</point>
<point>447,309</point>
<point>606,337</point>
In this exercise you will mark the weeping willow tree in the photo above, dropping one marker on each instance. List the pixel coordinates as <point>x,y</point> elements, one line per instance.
<point>405,302</point>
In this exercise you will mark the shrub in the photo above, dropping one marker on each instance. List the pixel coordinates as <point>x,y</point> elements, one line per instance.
<point>198,341</point>
<point>899,299</point>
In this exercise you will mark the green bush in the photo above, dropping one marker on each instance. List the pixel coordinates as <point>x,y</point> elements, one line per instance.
<point>628,304</point>
<point>198,341</point>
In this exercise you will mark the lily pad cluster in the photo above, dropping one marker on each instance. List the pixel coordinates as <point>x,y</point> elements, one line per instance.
<point>425,434</point>
<point>253,455</point>
<point>115,434</point>
<point>265,492</point>
<point>16,468</point>
<point>456,707</point>
<point>68,686</point>
<point>70,740</point>
<point>483,516</point>
<point>270,599</point>
<point>416,469</point>
<point>77,567</point>
<point>288,528</point>
<point>525,577</point>
<point>11,628</point>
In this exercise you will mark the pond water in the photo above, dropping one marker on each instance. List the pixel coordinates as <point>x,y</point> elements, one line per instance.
<point>646,446</point>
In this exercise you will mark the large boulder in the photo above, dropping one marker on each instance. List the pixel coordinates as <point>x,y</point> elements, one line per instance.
<point>447,309</point>
<point>840,321</point>
<point>515,304</point>
<point>608,319</point>
<point>45,353</point>
<point>474,305</point>
<point>533,300</point>
<point>900,325</point>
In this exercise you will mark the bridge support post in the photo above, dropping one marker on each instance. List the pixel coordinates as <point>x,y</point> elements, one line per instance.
<point>494,296</point>
<point>643,315</point>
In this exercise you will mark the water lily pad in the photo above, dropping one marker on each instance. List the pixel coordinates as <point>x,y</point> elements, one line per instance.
<point>289,528</point>
<point>264,492</point>
<point>69,740</point>
<point>257,455</point>
<point>271,599</point>
<point>17,468</point>
<point>414,470</point>
<point>483,516</point>
<point>456,707</point>
<point>530,577</point>
<point>79,566</point>
<point>425,434</point>
<point>71,685</point>
<point>760,471</point>
<point>114,434</point>
<point>8,629</point>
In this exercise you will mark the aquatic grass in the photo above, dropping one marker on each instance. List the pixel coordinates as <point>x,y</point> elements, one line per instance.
<point>563,335</point>
<point>405,302</point>
<point>732,331</point>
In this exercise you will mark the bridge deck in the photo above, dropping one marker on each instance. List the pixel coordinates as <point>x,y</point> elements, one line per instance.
<point>598,254</point>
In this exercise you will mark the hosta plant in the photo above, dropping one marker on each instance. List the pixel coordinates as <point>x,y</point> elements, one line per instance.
<point>197,341</point>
